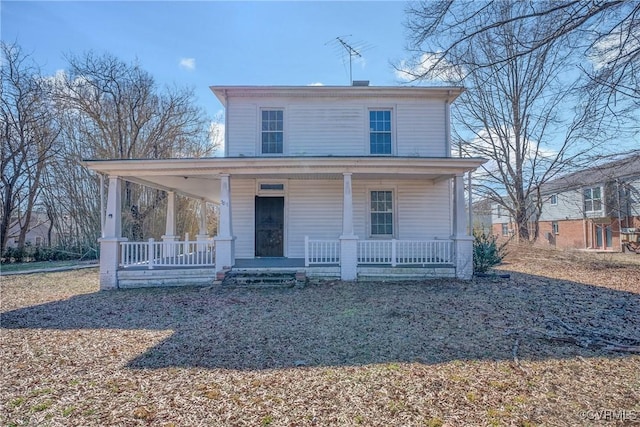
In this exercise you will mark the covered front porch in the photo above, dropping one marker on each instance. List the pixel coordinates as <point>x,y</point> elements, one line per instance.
<point>347,254</point>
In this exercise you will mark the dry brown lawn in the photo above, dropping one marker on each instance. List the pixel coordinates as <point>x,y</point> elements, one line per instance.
<point>554,345</point>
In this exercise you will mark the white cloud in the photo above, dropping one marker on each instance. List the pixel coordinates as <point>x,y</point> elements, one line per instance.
<point>316,84</point>
<point>428,68</point>
<point>496,143</point>
<point>612,47</point>
<point>188,63</point>
<point>217,134</point>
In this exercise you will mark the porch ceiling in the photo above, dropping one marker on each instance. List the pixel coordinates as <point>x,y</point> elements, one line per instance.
<point>200,178</point>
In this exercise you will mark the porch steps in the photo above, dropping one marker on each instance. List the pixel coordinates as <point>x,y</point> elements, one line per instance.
<point>144,278</point>
<point>276,278</point>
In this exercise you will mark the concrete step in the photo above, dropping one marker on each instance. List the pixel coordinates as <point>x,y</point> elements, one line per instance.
<point>263,279</point>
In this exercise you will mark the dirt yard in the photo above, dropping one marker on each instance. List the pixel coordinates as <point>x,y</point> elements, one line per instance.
<point>556,344</point>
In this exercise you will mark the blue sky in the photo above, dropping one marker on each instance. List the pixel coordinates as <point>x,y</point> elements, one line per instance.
<point>205,43</point>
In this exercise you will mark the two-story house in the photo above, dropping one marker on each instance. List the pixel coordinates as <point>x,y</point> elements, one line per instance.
<point>595,208</point>
<point>349,181</point>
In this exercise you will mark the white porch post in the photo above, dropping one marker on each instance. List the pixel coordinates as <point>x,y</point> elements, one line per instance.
<point>203,219</point>
<point>348,240</point>
<point>110,243</point>
<point>203,235</point>
<point>463,242</point>
<point>170,225</point>
<point>225,257</point>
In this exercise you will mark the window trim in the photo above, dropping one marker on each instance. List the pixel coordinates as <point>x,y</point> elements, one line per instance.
<point>591,199</point>
<point>264,192</point>
<point>392,132</point>
<point>394,213</point>
<point>553,200</point>
<point>260,131</point>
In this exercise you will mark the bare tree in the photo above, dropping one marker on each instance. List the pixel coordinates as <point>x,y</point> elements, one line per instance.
<point>113,110</point>
<point>606,31</point>
<point>522,109</point>
<point>29,132</point>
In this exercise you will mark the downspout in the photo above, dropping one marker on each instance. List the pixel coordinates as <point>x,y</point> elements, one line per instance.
<point>102,205</point>
<point>619,215</point>
<point>470,226</point>
<point>447,143</point>
<point>226,124</point>
<point>447,127</point>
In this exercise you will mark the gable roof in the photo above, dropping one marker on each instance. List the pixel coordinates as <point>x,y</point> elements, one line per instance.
<point>627,167</point>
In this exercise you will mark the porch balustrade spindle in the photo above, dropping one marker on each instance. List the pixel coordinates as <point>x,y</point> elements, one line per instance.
<point>151,254</point>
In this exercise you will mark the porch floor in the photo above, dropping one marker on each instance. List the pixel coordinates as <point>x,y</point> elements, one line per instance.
<point>269,263</point>
<point>275,263</point>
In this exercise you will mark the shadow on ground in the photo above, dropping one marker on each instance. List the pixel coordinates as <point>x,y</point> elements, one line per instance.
<point>338,324</point>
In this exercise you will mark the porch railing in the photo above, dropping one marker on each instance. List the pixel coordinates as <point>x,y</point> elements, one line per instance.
<point>405,252</point>
<point>152,254</point>
<point>321,251</point>
<point>388,252</point>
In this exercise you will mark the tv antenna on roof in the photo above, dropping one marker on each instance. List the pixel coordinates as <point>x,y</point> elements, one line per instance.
<point>351,51</point>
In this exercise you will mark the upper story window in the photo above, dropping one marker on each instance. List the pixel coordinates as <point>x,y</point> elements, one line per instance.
<point>554,199</point>
<point>272,131</point>
<point>380,131</point>
<point>382,213</point>
<point>592,199</point>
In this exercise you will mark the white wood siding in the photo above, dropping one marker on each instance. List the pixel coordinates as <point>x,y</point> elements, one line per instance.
<point>242,216</point>
<point>421,129</point>
<point>421,208</point>
<point>314,210</point>
<point>337,127</point>
<point>242,120</point>
<point>324,128</point>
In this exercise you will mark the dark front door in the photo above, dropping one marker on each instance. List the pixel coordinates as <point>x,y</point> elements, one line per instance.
<point>269,226</point>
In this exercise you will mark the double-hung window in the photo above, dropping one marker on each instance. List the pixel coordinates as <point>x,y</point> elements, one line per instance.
<point>381,213</point>
<point>592,199</point>
<point>553,199</point>
<point>380,131</point>
<point>272,131</point>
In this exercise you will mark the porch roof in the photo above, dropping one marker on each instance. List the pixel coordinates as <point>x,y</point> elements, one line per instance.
<point>199,178</point>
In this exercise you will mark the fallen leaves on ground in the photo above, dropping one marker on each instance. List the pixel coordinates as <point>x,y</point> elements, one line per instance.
<point>434,353</point>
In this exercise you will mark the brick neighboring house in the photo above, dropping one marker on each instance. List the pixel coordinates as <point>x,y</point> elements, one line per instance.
<point>586,209</point>
<point>502,224</point>
<point>482,216</point>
